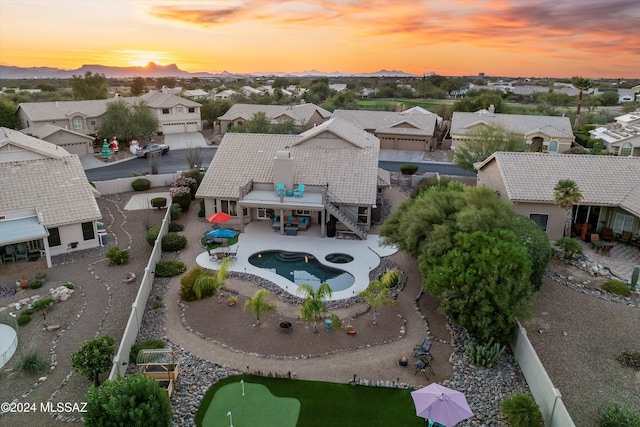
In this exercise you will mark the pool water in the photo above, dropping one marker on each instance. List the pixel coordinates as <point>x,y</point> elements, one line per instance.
<point>301,268</point>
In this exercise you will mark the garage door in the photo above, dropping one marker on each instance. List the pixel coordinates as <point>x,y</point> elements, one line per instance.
<point>77,148</point>
<point>191,127</point>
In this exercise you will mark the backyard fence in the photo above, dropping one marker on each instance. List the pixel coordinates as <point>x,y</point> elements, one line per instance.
<point>546,395</point>
<point>122,185</point>
<point>121,359</point>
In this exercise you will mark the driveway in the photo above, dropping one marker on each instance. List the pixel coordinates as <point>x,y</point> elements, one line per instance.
<point>178,141</point>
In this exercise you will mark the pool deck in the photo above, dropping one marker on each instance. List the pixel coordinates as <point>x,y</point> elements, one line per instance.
<point>366,254</point>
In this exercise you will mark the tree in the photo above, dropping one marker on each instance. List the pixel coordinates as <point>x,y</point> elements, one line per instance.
<point>608,99</point>
<point>8,117</point>
<point>258,123</point>
<point>126,121</point>
<point>133,400</point>
<point>539,248</point>
<point>377,295</point>
<point>313,306</point>
<point>482,283</point>
<point>137,86</point>
<point>259,305</point>
<point>581,84</point>
<point>566,193</point>
<point>91,86</point>
<point>94,358</point>
<point>483,141</point>
<point>206,285</point>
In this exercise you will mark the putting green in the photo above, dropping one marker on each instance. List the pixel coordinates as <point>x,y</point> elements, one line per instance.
<point>258,407</point>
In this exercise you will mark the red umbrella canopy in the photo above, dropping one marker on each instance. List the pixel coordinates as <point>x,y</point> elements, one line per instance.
<point>219,217</point>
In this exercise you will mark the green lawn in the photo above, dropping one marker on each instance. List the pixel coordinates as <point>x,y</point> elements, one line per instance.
<point>321,404</point>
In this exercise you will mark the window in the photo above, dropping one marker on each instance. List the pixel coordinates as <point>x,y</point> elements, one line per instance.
<point>178,110</point>
<point>303,212</point>
<point>165,111</point>
<point>87,231</point>
<point>626,149</point>
<point>553,146</point>
<point>262,213</point>
<point>77,123</point>
<point>54,237</point>
<point>93,122</point>
<point>192,109</point>
<point>229,207</point>
<point>363,215</point>
<point>623,223</point>
<point>541,220</point>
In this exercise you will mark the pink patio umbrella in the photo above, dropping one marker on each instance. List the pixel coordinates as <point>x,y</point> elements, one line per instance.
<point>441,404</point>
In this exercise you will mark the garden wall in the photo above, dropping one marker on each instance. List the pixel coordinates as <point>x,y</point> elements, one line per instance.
<point>121,359</point>
<point>546,395</point>
<point>122,185</point>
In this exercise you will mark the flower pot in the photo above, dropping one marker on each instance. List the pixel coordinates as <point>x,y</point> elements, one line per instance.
<point>24,283</point>
<point>231,303</point>
<point>351,331</point>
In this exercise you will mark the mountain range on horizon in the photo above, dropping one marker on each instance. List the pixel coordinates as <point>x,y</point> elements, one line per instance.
<point>154,70</point>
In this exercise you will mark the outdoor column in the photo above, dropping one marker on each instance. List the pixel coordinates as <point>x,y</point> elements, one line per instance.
<point>281,222</point>
<point>323,232</point>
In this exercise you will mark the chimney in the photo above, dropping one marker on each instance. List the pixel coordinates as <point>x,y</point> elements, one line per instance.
<point>283,169</point>
<point>492,108</point>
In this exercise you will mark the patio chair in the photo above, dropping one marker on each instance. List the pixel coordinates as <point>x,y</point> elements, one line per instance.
<point>22,252</point>
<point>423,366</point>
<point>280,188</point>
<point>233,253</point>
<point>607,234</point>
<point>423,349</point>
<point>299,191</point>
<point>606,249</point>
<point>625,237</point>
<point>595,239</point>
<point>9,253</point>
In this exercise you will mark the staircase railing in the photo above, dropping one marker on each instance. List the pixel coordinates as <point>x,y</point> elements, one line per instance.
<point>347,218</point>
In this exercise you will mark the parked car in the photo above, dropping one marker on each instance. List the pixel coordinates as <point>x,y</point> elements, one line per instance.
<point>152,148</point>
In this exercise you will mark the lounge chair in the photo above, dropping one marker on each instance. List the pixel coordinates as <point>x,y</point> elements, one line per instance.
<point>299,191</point>
<point>423,350</point>
<point>280,188</point>
<point>422,366</point>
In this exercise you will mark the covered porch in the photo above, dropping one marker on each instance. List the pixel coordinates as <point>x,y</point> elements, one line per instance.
<point>23,239</point>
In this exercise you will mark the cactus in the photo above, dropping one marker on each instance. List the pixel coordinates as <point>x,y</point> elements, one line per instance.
<point>634,278</point>
<point>483,354</point>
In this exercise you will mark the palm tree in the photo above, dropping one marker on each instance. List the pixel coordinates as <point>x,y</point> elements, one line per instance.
<point>377,294</point>
<point>566,193</point>
<point>207,285</point>
<point>313,306</point>
<point>581,84</point>
<point>259,305</point>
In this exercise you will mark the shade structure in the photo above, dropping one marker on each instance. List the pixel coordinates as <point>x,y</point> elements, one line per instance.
<point>219,217</point>
<point>222,233</point>
<point>441,404</point>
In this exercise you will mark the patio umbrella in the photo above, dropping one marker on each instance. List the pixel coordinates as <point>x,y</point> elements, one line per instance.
<point>219,217</point>
<point>441,404</point>
<point>222,233</point>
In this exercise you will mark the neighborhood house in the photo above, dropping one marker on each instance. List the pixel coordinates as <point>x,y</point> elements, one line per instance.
<point>303,116</point>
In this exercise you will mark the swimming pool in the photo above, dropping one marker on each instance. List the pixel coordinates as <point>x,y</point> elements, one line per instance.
<point>301,267</point>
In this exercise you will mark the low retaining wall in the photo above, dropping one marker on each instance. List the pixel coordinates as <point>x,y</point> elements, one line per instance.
<point>122,185</point>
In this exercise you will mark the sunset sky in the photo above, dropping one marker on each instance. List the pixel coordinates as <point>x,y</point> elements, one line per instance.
<point>527,38</point>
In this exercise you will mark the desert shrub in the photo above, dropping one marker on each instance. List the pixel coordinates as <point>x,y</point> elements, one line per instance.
<point>23,319</point>
<point>36,284</point>
<point>42,304</point>
<point>194,174</point>
<point>117,256</point>
<point>616,287</point>
<point>170,268</point>
<point>186,283</point>
<point>172,242</point>
<point>174,227</point>
<point>32,363</point>
<point>157,304</point>
<point>611,414</point>
<point>390,278</point>
<point>190,183</point>
<point>521,411</point>
<point>68,285</point>
<point>181,196</point>
<point>483,354</point>
<point>630,359</point>
<point>408,169</point>
<point>141,184</point>
<point>152,234</point>
<point>144,345</point>
<point>175,211</point>
<point>201,212</point>
<point>569,246</point>
<point>28,311</point>
<point>159,202</point>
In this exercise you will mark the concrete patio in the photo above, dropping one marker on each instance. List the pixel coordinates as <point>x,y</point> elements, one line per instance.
<point>620,260</point>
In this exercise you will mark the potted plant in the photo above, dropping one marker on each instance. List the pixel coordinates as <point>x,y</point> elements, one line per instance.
<point>350,330</point>
<point>24,282</point>
<point>232,300</point>
<point>41,276</point>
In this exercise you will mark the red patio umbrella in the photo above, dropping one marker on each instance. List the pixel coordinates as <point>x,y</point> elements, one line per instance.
<point>219,217</point>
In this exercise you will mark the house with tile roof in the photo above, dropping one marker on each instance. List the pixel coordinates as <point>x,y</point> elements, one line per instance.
<point>175,114</point>
<point>327,176</point>
<point>47,206</point>
<point>415,129</point>
<point>541,133</point>
<point>610,187</point>
<point>304,116</point>
<point>621,137</point>
<point>73,142</point>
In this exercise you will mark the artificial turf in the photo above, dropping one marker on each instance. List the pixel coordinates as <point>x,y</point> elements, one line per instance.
<point>326,404</point>
<point>230,242</point>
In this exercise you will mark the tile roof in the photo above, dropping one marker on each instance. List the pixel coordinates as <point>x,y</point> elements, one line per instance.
<point>45,130</point>
<point>603,180</point>
<point>553,126</point>
<point>626,128</point>
<point>56,185</point>
<point>300,113</point>
<point>350,168</point>
<point>389,121</point>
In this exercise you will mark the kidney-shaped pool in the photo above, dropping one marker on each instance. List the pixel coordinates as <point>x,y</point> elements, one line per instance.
<point>300,268</point>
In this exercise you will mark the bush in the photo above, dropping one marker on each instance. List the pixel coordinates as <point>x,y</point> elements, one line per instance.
<point>538,247</point>
<point>152,235</point>
<point>68,285</point>
<point>23,319</point>
<point>32,363</point>
<point>117,256</point>
<point>630,359</point>
<point>144,345</point>
<point>42,304</point>
<point>174,227</point>
<point>521,411</point>
<point>170,268</point>
<point>201,212</point>
<point>613,415</point>
<point>36,284</point>
<point>159,202</point>
<point>175,211</point>
<point>408,169</point>
<point>28,312</point>
<point>483,354</point>
<point>187,282</point>
<point>569,246</point>
<point>172,242</point>
<point>616,287</point>
<point>181,196</point>
<point>141,184</point>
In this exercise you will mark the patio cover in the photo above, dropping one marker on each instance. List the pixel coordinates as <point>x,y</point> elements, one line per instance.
<point>21,230</point>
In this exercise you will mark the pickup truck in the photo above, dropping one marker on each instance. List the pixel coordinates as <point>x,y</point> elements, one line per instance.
<point>152,148</point>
